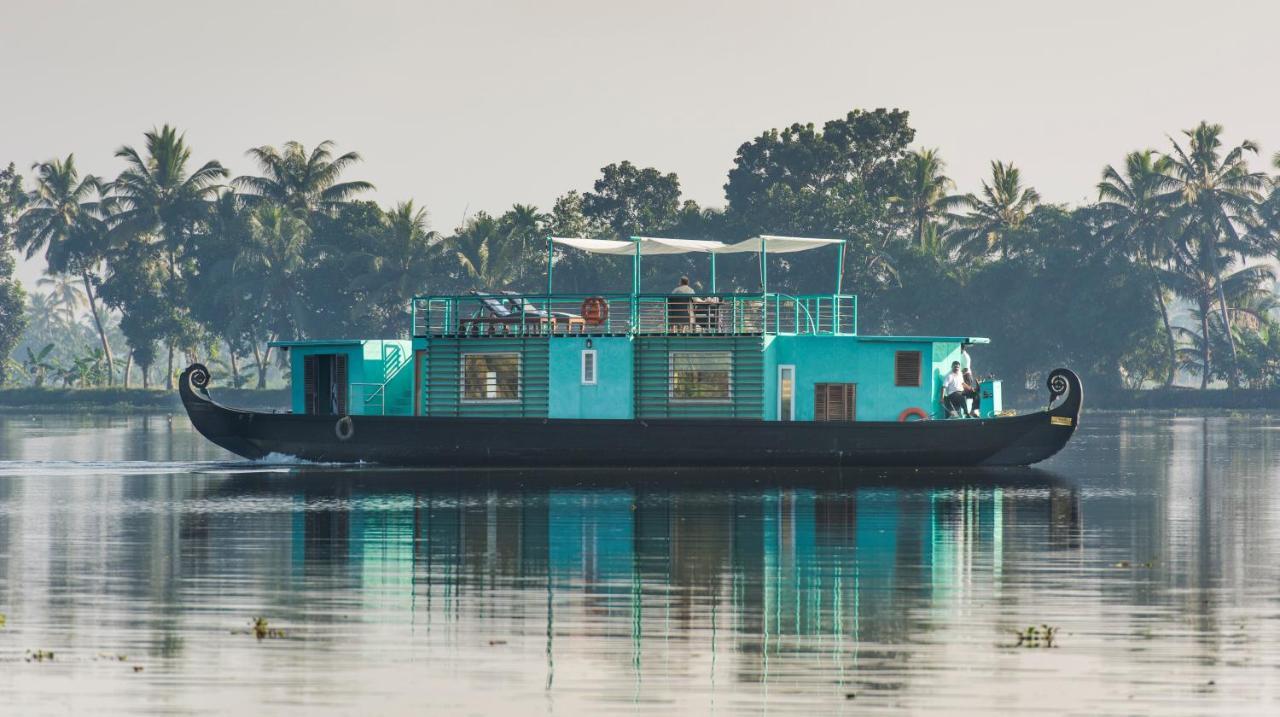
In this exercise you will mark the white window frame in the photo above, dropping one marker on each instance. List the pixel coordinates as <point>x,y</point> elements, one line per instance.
<point>462,379</point>
<point>783,368</point>
<point>595,367</point>
<point>671,380</point>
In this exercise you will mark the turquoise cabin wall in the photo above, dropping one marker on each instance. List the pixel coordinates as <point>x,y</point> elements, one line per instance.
<point>611,397</point>
<point>842,359</point>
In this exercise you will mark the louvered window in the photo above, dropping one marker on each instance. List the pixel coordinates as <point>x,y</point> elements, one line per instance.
<point>835,401</point>
<point>339,386</point>
<point>324,384</point>
<point>309,364</point>
<point>906,368</point>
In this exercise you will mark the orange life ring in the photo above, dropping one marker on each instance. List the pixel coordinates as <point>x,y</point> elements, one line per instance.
<point>595,310</point>
<point>913,411</point>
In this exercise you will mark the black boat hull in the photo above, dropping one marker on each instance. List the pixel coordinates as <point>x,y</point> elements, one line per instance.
<point>535,442</point>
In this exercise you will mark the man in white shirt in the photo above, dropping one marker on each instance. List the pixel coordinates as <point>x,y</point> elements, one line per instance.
<point>683,287</point>
<point>953,391</point>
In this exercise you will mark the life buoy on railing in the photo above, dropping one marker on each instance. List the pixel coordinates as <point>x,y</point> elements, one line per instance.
<point>919,414</point>
<point>595,310</point>
<point>344,429</point>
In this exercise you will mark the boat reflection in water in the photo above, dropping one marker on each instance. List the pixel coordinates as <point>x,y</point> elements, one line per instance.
<point>760,572</point>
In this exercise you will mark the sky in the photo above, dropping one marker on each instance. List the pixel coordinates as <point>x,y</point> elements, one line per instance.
<point>468,106</point>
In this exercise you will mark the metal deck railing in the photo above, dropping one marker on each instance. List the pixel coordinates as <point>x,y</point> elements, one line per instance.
<point>511,314</point>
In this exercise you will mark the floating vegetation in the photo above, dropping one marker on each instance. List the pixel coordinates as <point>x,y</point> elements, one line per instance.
<point>497,642</point>
<point>1033,636</point>
<point>113,657</point>
<point>2,619</point>
<point>1126,564</point>
<point>39,656</point>
<point>263,631</point>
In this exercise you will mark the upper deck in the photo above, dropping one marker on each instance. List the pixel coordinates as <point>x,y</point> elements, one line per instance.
<point>717,314</point>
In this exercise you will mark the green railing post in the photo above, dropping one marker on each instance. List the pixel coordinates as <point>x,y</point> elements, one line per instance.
<point>550,262</point>
<point>840,270</point>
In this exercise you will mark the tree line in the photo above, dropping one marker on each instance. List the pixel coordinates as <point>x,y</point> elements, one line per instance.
<point>1167,275</point>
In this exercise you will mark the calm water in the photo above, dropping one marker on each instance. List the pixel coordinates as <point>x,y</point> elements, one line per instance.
<point>1152,545</point>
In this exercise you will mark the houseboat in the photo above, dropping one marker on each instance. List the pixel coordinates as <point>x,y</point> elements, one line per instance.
<point>503,379</point>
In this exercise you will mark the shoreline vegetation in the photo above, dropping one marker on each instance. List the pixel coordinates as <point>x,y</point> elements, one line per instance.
<point>1164,277</point>
<point>119,399</point>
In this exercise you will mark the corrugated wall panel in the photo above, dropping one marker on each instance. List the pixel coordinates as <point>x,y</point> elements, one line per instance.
<point>653,377</point>
<point>442,377</point>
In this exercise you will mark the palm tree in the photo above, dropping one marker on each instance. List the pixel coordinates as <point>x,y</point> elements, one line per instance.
<point>1135,206</point>
<point>1217,196</point>
<point>67,296</point>
<point>159,196</point>
<point>64,218</point>
<point>272,260</point>
<point>45,320</point>
<point>525,227</point>
<point>408,256</point>
<point>926,199</point>
<point>304,183</point>
<point>1003,207</point>
<point>487,252</point>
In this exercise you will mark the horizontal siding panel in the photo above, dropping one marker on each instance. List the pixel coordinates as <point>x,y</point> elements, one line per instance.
<point>653,378</point>
<point>442,377</point>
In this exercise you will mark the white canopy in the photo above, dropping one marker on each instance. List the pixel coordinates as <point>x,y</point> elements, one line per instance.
<point>637,247</point>
<point>648,246</point>
<point>653,246</point>
<point>776,244</point>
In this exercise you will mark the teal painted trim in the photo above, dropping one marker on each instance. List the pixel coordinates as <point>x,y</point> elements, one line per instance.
<point>315,343</point>
<point>928,339</point>
<point>610,397</point>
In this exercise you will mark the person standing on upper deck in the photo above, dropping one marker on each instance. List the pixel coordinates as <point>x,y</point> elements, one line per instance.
<point>684,287</point>
<point>680,311</point>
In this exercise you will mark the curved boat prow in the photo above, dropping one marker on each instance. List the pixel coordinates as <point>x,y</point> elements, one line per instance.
<point>1061,418</point>
<point>221,425</point>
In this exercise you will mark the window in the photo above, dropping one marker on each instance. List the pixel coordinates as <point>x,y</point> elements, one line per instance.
<point>835,401</point>
<point>786,393</point>
<point>906,368</point>
<point>702,376</point>
<point>589,367</point>
<point>491,377</point>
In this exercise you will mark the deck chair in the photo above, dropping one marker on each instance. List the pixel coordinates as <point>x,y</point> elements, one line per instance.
<point>494,315</point>
<point>553,319</point>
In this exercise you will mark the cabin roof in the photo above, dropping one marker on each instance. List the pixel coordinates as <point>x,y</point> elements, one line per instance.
<point>929,339</point>
<point>317,342</point>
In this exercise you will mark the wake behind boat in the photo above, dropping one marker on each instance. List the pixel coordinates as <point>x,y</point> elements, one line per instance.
<point>648,380</point>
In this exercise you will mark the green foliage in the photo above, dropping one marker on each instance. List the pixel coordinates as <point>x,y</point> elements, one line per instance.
<point>182,260</point>
<point>12,298</point>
